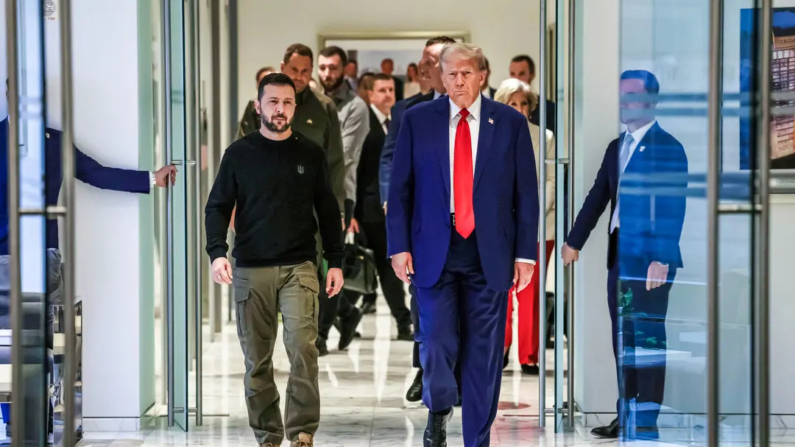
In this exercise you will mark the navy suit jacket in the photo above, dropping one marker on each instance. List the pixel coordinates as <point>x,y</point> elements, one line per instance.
<point>505,195</point>
<point>653,191</point>
<point>87,170</point>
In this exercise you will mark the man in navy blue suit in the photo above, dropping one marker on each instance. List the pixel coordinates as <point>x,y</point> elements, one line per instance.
<point>430,64</point>
<point>87,170</point>
<point>463,228</point>
<point>646,218</point>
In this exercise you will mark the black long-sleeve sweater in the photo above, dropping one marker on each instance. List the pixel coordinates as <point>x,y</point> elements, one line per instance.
<point>275,186</point>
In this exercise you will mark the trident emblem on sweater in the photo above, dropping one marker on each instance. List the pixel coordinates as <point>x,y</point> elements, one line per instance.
<point>300,169</point>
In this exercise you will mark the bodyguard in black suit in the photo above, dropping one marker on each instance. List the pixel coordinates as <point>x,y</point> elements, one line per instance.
<point>644,179</point>
<point>368,215</point>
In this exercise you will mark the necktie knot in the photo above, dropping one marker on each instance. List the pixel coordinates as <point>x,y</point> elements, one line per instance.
<point>464,113</point>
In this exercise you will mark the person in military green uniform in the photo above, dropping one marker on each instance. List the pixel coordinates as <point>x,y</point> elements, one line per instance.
<point>316,118</point>
<point>250,121</point>
<point>355,124</point>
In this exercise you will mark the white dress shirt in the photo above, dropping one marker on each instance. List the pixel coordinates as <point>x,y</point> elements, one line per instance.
<point>487,92</point>
<point>436,94</point>
<point>637,137</point>
<point>381,118</point>
<point>474,130</point>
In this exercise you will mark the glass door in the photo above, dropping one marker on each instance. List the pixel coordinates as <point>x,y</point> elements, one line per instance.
<point>26,346</point>
<point>177,219</point>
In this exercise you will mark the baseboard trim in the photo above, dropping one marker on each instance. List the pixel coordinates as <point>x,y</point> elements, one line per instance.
<point>104,425</point>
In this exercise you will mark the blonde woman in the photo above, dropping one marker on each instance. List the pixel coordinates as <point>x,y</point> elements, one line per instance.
<point>518,95</point>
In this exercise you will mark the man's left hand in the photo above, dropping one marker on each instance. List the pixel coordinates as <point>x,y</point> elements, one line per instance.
<point>163,174</point>
<point>522,275</point>
<point>334,282</point>
<point>657,276</point>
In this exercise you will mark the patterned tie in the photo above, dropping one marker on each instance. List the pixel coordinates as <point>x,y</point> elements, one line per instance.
<point>386,125</point>
<point>463,178</point>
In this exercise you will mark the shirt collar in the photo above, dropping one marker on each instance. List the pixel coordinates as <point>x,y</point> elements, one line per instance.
<point>436,94</point>
<point>474,109</point>
<point>637,136</point>
<point>342,93</point>
<point>381,117</point>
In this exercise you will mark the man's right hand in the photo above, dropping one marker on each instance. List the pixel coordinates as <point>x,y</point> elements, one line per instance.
<point>569,254</point>
<point>222,271</point>
<point>403,265</point>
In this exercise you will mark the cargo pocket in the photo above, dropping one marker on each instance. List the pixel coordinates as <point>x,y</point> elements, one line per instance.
<point>242,294</point>
<point>312,285</point>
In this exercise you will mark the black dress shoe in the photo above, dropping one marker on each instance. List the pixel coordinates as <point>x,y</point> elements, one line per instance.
<point>608,431</point>
<point>530,370</point>
<point>320,344</point>
<point>368,308</point>
<point>436,430</point>
<point>348,327</point>
<point>405,334</point>
<point>506,359</point>
<point>414,393</point>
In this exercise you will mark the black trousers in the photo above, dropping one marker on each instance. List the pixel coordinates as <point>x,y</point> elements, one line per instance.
<point>641,325</point>
<point>375,235</point>
<point>330,307</point>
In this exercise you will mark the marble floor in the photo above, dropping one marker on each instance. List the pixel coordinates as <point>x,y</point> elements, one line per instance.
<point>363,406</point>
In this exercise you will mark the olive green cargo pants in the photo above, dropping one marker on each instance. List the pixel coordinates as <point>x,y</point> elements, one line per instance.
<point>260,294</point>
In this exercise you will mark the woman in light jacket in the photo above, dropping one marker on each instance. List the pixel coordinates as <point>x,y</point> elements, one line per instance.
<point>518,95</point>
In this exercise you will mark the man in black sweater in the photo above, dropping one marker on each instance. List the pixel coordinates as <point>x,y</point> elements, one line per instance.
<point>275,178</point>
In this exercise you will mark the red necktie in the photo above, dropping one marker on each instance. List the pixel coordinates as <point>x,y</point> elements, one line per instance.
<point>463,178</point>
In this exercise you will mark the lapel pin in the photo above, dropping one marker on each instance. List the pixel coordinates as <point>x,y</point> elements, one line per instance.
<point>309,121</point>
<point>642,148</point>
<point>491,121</point>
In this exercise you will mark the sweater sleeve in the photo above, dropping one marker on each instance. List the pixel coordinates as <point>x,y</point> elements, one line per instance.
<point>218,211</point>
<point>328,215</point>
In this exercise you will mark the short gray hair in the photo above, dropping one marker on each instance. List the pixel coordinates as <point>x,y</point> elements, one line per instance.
<point>511,86</point>
<point>465,51</point>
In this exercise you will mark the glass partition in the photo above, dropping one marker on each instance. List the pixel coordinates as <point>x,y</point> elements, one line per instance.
<point>30,273</point>
<point>661,229</point>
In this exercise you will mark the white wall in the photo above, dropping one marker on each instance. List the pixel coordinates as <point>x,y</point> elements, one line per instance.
<point>503,29</point>
<point>597,71</point>
<point>107,223</point>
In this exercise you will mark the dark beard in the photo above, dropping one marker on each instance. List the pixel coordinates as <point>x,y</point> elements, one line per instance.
<point>336,85</point>
<point>272,127</point>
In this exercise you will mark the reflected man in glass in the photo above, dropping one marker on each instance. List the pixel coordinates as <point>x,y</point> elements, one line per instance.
<point>647,212</point>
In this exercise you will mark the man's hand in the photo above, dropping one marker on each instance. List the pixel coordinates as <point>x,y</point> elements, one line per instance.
<point>162,175</point>
<point>657,276</point>
<point>522,275</point>
<point>334,282</point>
<point>569,254</point>
<point>222,271</point>
<point>403,265</point>
<point>354,228</point>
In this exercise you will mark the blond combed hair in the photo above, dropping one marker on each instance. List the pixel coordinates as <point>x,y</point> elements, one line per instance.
<point>511,86</point>
<point>465,51</point>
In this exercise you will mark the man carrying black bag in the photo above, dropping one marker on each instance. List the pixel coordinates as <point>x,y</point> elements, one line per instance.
<point>368,214</point>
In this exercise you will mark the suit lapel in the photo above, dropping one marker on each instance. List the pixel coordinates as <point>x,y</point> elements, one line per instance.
<point>442,140</point>
<point>485,135</point>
